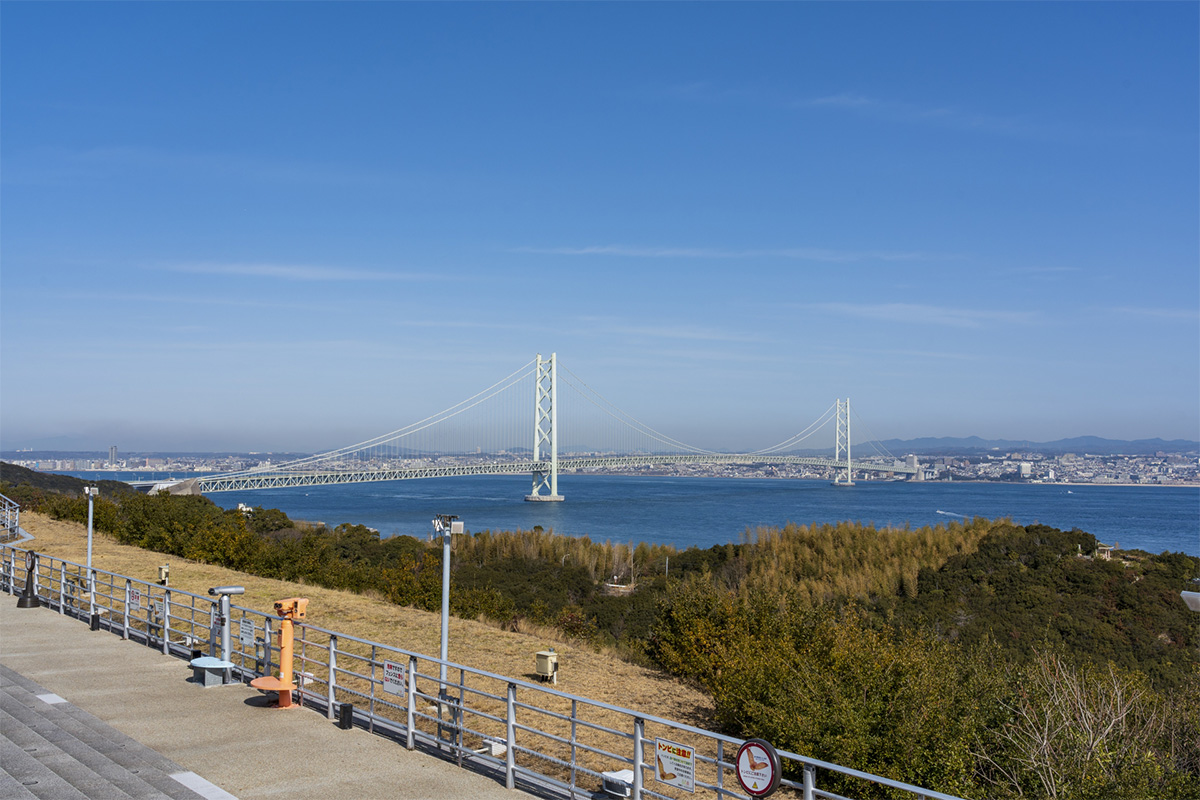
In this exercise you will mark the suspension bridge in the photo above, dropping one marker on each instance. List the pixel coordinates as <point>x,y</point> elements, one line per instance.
<point>500,432</point>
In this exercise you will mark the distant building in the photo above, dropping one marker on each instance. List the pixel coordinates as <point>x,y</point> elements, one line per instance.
<point>1025,469</point>
<point>112,455</point>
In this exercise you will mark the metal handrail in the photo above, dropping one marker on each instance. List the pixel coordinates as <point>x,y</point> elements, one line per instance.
<point>464,720</point>
<point>10,518</point>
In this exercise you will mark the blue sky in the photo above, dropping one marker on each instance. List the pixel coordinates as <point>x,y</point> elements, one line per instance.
<point>293,226</point>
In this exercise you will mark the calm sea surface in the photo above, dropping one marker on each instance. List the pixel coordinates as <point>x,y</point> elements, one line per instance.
<point>707,511</point>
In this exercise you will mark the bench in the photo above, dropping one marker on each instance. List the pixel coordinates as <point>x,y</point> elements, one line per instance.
<point>209,671</point>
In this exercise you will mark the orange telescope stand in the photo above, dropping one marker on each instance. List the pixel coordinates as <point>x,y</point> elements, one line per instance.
<point>293,608</point>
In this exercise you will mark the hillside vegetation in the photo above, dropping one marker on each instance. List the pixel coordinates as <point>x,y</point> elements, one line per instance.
<point>983,658</point>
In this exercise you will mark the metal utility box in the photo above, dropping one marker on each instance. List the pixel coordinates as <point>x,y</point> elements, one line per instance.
<point>619,783</point>
<point>547,665</point>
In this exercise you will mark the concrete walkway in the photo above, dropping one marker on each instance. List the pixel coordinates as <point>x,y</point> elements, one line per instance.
<point>212,743</point>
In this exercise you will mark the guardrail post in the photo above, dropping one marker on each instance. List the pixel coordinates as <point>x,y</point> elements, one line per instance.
<point>411,742</point>
<point>166,624</point>
<point>510,739</point>
<point>125,619</point>
<point>639,733</point>
<point>62,588</point>
<point>267,669</point>
<point>810,782</point>
<point>212,629</point>
<point>574,740</point>
<point>332,674</point>
<point>720,768</point>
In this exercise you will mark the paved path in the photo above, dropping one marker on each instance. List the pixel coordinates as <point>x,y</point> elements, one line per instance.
<point>121,720</point>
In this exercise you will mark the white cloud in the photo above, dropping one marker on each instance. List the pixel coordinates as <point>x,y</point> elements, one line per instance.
<point>918,314</point>
<point>899,111</point>
<point>299,272</point>
<point>1188,314</point>
<point>797,253</point>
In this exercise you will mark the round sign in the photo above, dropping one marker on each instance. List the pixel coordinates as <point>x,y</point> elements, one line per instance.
<point>29,556</point>
<point>758,769</point>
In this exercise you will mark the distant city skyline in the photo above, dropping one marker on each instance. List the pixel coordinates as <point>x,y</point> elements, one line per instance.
<point>289,227</point>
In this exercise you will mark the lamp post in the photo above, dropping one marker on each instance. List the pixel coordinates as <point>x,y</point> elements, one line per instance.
<point>91,492</point>
<point>446,525</point>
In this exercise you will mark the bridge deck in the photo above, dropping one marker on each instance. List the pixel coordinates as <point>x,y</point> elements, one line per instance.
<point>277,480</point>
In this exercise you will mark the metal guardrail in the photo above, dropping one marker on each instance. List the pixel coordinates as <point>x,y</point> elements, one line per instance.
<point>10,519</point>
<point>553,742</point>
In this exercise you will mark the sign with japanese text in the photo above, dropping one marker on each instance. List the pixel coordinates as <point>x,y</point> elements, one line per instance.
<point>393,677</point>
<point>246,631</point>
<point>135,598</point>
<point>758,768</point>
<point>675,764</point>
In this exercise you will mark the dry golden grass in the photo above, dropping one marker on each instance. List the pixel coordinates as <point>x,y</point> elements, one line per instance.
<point>583,672</point>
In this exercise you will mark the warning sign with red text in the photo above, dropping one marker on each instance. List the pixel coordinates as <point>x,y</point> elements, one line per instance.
<point>675,764</point>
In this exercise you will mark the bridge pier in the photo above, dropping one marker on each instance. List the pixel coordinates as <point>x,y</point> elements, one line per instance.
<point>544,498</point>
<point>545,431</point>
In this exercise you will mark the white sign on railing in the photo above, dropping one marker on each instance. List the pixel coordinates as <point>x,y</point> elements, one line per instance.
<point>675,764</point>
<point>135,598</point>
<point>246,631</point>
<point>393,677</point>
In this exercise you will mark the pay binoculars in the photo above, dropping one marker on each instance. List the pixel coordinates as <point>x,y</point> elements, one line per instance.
<point>292,607</point>
<point>220,590</point>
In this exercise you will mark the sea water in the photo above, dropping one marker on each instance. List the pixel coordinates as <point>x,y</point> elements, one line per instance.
<point>707,511</point>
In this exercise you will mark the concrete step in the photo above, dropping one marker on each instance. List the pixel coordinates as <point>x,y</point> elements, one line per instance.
<point>54,750</point>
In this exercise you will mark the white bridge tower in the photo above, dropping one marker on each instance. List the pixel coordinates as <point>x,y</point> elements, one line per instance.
<point>843,443</point>
<point>545,430</point>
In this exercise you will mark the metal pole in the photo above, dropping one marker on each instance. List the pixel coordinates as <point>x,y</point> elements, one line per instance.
<point>332,682</point>
<point>445,610</point>
<point>810,782</point>
<point>90,491</point>
<point>639,737</point>
<point>410,740</point>
<point>510,738</point>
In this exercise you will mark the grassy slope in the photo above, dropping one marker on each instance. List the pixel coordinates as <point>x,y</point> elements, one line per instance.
<point>581,671</point>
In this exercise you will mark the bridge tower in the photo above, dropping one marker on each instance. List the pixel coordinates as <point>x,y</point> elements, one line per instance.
<point>545,431</point>
<point>843,443</point>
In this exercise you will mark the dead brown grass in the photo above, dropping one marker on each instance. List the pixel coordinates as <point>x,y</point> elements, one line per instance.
<point>597,676</point>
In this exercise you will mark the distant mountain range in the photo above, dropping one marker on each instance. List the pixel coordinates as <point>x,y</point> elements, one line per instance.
<point>1079,444</point>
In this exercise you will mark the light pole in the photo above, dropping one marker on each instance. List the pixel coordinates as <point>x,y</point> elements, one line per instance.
<point>91,492</point>
<point>446,525</point>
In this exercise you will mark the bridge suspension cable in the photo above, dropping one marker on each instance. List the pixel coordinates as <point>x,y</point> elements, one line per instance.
<point>608,408</point>
<point>795,439</point>
<point>389,438</point>
<point>873,441</point>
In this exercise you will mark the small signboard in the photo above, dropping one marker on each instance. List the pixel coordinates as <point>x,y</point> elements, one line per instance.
<point>246,631</point>
<point>160,609</point>
<point>135,598</point>
<point>675,764</point>
<point>393,677</point>
<point>758,768</point>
